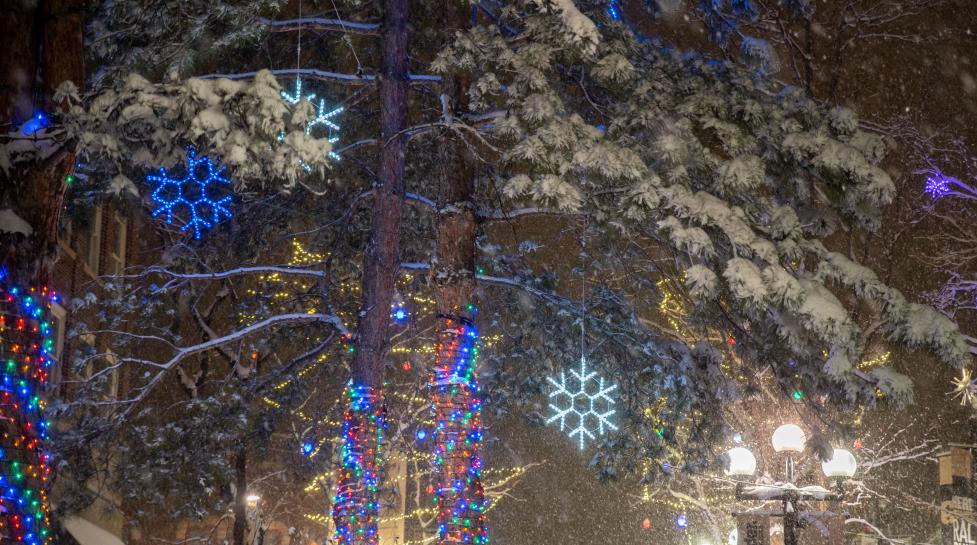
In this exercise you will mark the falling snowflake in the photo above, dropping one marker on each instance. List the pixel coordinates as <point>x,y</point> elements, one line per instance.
<point>581,404</point>
<point>193,193</point>
<point>965,387</point>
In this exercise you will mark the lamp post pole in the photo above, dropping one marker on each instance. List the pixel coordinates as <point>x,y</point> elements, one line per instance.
<point>788,439</point>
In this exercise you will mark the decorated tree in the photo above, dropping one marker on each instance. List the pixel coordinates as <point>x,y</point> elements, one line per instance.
<point>673,167</point>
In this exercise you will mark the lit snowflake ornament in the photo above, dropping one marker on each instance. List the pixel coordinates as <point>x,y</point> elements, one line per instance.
<point>580,402</point>
<point>194,195</point>
<point>323,116</point>
<point>965,387</point>
<point>937,186</point>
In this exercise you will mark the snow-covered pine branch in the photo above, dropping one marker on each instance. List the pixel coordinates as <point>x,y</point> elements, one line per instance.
<point>320,23</point>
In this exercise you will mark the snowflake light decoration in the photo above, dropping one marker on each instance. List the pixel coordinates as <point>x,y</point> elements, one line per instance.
<point>323,115</point>
<point>937,186</point>
<point>965,387</point>
<point>194,192</point>
<point>581,403</point>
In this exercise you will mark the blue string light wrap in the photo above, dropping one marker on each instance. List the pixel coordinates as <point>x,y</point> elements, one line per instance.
<point>26,357</point>
<point>195,196</point>
<point>356,506</point>
<point>458,433</point>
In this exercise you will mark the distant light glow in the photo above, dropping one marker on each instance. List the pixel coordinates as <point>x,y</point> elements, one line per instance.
<point>682,522</point>
<point>582,404</point>
<point>421,435</point>
<point>308,447</point>
<point>37,122</point>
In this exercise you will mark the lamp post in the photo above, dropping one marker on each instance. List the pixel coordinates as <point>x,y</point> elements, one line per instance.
<point>789,439</point>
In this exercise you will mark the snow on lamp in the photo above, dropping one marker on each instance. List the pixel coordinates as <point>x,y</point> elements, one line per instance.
<point>789,438</point>
<point>741,462</point>
<point>842,465</point>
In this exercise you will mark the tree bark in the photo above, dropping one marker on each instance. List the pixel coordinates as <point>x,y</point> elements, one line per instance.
<point>454,380</point>
<point>240,496</point>
<point>43,48</point>
<point>356,510</point>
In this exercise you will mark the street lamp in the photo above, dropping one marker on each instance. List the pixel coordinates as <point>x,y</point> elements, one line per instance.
<point>789,439</point>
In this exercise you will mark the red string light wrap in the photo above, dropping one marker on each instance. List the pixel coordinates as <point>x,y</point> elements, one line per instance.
<point>26,356</point>
<point>356,507</point>
<point>458,433</point>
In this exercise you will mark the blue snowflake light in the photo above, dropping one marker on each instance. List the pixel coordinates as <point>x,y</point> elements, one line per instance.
<point>581,403</point>
<point>193,193</point>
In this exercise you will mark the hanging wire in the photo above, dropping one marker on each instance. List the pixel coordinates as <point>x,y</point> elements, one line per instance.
<point>583,289</point>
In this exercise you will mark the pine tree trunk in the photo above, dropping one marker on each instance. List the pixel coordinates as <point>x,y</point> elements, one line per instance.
<point>42,48</point>
<point>356,507</point>
<point>240,497</point>
<point>456,404</point>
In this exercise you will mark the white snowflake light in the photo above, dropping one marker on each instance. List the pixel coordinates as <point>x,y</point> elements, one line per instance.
<point>323,115</point>
<point>581,403</point>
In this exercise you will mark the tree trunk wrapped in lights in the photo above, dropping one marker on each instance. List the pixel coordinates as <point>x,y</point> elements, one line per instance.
<point>455,399</point>
<point>44,48</point>
<point>357,504</point>
<point>458,433</point>
<point>26,350</point>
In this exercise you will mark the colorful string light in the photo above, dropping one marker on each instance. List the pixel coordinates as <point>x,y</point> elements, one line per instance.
<point>26,353</point>
<point>356,507</point>
<point>582,404</point>
<point>193,193</point>
<point>457,407</point>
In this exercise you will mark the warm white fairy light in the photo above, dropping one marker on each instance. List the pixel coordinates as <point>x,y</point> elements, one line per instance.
<point>965,387</point>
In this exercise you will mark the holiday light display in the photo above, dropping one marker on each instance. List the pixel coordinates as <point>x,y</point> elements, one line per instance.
<point>458,433</point>
<point>937,185</point>
<point>36,123</point>
<point>582,404</point>
<point>323,115</point>
<point>26,353</point>
<point>356,506</point>
<point>193,192</point>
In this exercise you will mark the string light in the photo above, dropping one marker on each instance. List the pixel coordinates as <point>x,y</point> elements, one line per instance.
<point>582,404</point>
<point>458,433</point>
<point>26,349</point>
<point>192,192</point>
<point>356,505</point>
<point>36,123</point>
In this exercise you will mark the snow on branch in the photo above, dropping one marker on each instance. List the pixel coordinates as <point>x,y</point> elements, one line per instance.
<point>215,343</point>
<point>323,75</point>
<point>320,23</point>
<point>501,215</point>
<point>220,275</point>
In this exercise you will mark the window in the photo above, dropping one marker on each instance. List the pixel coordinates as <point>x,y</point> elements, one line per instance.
<point>117,256</point>
<point>59,319</point>
<point>94,249</point>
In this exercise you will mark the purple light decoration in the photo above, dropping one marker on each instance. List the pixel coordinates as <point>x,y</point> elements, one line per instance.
<point>937,186</point>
